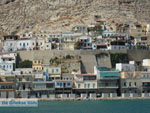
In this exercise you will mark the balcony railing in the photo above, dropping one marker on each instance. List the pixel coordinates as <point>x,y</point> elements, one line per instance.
<point>106,78</point>
<point>102,85</point>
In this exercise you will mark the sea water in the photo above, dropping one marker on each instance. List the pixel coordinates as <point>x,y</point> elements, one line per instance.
<point>87,106</point>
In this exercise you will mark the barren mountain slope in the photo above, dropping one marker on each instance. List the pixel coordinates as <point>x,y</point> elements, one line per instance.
<point>61,15</point>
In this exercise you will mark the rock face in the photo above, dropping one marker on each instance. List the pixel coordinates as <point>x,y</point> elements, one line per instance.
<point>2,2</point>
<point>61,15</point>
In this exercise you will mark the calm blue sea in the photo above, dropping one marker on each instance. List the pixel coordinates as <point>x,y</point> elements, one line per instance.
<point>101,106</point>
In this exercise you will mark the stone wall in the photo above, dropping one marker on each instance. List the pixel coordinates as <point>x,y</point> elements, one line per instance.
<point>88,58</point>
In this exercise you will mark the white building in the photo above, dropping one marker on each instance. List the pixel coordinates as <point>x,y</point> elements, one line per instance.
<point>24,44</point>
<point>146,62</point>
<point>117,46</point>
<point>101,44</point>
<point>85,42</point>
<point>8,61</point>
<point>125,67</point>
<point>108,33</point>
<point>48,46</point>
<point>10,45</point>
<point>23,71</point>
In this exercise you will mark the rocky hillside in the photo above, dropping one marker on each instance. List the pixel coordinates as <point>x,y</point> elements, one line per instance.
<point>61,15</point>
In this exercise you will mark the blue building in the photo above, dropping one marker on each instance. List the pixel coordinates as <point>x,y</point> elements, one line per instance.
<point>108,81</point>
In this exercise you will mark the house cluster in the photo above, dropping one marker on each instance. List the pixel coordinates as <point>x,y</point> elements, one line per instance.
<point>49,81</point>
<point>98,36</point>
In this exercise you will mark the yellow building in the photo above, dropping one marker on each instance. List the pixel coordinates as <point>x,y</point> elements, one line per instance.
<point>137,30</point>
<point>85,81</point>
<point>128,75</point>
<point>37,65</point>
<point>53,71</point>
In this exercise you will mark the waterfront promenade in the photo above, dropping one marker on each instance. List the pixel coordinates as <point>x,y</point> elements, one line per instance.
<point>82,99</point>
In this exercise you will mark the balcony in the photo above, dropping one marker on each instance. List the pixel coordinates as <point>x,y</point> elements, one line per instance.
<point>109,78</point>
<point>26,89</point>
<point>43,89</point>
<point>108,85</point>
<point>7,86</point>
<point>146,84</point>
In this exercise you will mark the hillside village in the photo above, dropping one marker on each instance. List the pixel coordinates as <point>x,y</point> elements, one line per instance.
<point>64,76</point>
<point>98,36</point>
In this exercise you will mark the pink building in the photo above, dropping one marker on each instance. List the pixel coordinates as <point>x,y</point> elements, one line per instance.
<point>37,44</point>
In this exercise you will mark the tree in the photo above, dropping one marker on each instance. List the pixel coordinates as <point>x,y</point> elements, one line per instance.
<point>119,58</point>
<point>25,64</point>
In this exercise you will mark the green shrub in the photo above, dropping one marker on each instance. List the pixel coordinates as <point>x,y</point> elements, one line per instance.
<point>119,58</point>
<point>25,64</point>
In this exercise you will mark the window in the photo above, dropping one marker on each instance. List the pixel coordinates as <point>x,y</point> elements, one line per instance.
<point>88,85</point>
<point>33,43</point>
<point>78,85</point>
<point>124,84</point>
<point>72,38</point>
<point>41,43</point>
<point>11,44</point>
<point>52,70</point>
<point>20,79</point>
<point>27,44</point>
<point>57,70</point>
<point>58,84</point>
<point>20,44</point>
<point>135,83</point>
<point>28,79</point>
<point>130,84</point>
<point>93,85</point>
<point>84,85</point>
<point>21,72</point>
<point>68,84</point>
